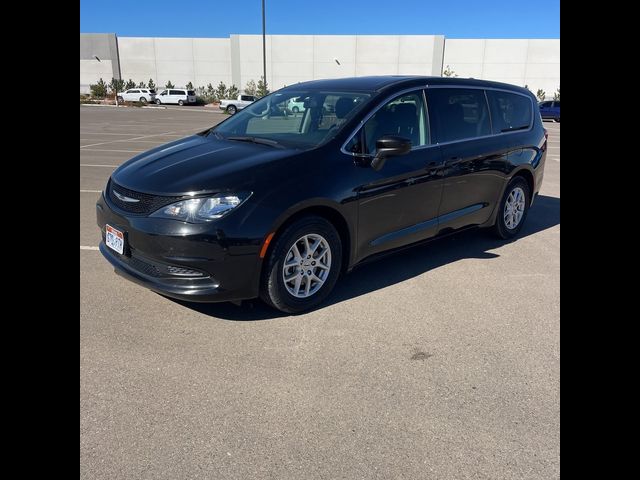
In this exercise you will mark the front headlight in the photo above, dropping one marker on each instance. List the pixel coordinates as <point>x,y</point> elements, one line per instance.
<point>204,209</point>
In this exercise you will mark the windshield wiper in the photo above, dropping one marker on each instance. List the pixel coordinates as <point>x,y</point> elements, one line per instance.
<point>261,141</point>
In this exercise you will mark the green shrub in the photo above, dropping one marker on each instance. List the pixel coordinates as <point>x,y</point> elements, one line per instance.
<point>262,89</point>
<point>99,90</point>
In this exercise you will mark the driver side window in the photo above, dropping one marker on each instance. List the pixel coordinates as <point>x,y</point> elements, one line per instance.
<point>404,116</point>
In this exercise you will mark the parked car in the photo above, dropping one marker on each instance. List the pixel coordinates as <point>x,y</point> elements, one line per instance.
<point>176,96</point>
<point>241,101</point>
<point>550,110</point>
<point>143,95</point>
<point>296,105</point>
<point>278,207</point>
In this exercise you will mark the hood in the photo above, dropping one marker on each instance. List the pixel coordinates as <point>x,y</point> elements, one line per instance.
<point>197,164</point>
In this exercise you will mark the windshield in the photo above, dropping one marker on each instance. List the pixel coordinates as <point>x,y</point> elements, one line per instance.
<point>303,119</point>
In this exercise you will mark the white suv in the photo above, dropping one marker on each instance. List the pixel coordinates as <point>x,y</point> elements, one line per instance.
<point>176,95</point>
<point>143,95</point>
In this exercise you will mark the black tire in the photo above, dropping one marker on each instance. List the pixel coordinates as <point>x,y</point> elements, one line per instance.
<point>500,227</point>
<point>143,100</point>
<point>231,109</point>
<point>295,110</point>
<point>158,102</point>
<point>180,102</point>
<point>273,290</point>
<point>120,99</point>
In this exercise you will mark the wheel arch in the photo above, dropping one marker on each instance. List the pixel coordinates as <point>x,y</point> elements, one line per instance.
<point>324,210</point>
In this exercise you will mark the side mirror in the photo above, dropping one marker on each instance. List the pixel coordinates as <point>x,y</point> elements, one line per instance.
<point>389,146</point>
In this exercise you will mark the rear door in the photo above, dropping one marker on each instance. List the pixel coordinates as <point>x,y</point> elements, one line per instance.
<point>174,96</point>
<point>474,161</point>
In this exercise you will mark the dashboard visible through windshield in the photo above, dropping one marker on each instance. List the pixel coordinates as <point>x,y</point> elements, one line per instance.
<point>299,119</point>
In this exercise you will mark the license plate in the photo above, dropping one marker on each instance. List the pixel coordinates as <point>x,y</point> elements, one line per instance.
<point>114,239</point>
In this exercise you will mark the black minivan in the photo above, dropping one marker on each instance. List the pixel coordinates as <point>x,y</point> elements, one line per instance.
<point>276,205</point>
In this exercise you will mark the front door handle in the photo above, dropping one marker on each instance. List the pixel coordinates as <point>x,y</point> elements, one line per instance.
<point>452,161</point>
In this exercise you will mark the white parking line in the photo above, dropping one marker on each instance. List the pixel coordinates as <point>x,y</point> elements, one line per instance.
<point>93,165</point>
<point>90,191</point>
<point>127,139</point>
<point>84,247</point>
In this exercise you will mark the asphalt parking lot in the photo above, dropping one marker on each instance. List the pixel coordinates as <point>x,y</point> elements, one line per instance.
<point>441,362</point>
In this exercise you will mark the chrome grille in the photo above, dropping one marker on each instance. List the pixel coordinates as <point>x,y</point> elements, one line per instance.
<point>137,202</point>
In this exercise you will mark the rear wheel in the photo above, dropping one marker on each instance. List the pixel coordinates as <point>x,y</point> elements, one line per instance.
<point>231,109</point>
<point>513,208</point>
<point>303,266</point>
<point>143,100</point>
<point>180,102</point>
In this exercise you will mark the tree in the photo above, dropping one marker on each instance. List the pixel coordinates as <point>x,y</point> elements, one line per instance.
<point>556,96</point>
<point>449,73</point>
<point>152,85</point>
<point>262,89</point>
<point>116,86</point>
<point>210,90</point>
<point>169,85</point>
<point>130,84</point>
<point>99,89</point>
<point>221,91</point>
<point>189,86</point>
<point>233,91</point>
<point>142,85</point>
<point>250,88</point>
<point>541,94</point>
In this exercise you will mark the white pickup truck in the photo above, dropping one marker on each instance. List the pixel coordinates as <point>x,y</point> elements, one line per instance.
<point>232,106</point>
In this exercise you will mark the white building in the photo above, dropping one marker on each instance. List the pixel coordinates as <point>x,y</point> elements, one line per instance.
<point>295,58</point>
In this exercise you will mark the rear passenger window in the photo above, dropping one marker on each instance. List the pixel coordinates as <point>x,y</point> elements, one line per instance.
<point>509,111</point>
<point>176,92</point>
<point>457,113</point>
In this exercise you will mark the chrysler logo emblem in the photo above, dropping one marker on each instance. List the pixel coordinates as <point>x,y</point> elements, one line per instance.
<point>125,199</point>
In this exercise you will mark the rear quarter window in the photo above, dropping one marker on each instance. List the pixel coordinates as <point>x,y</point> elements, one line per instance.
<point>509,111</point>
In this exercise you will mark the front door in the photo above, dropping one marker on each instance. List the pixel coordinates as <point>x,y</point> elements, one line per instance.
<point>399,203</point>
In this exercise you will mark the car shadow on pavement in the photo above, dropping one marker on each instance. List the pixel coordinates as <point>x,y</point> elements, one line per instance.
<point>399,266</point>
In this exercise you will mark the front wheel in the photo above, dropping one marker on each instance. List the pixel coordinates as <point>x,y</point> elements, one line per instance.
<point>513,208</point>
<point>158,102</point>
<point>120,99</point>
<point>303,266</point>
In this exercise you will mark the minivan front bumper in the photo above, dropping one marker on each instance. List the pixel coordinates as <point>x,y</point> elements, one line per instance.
<point>192,262</point>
